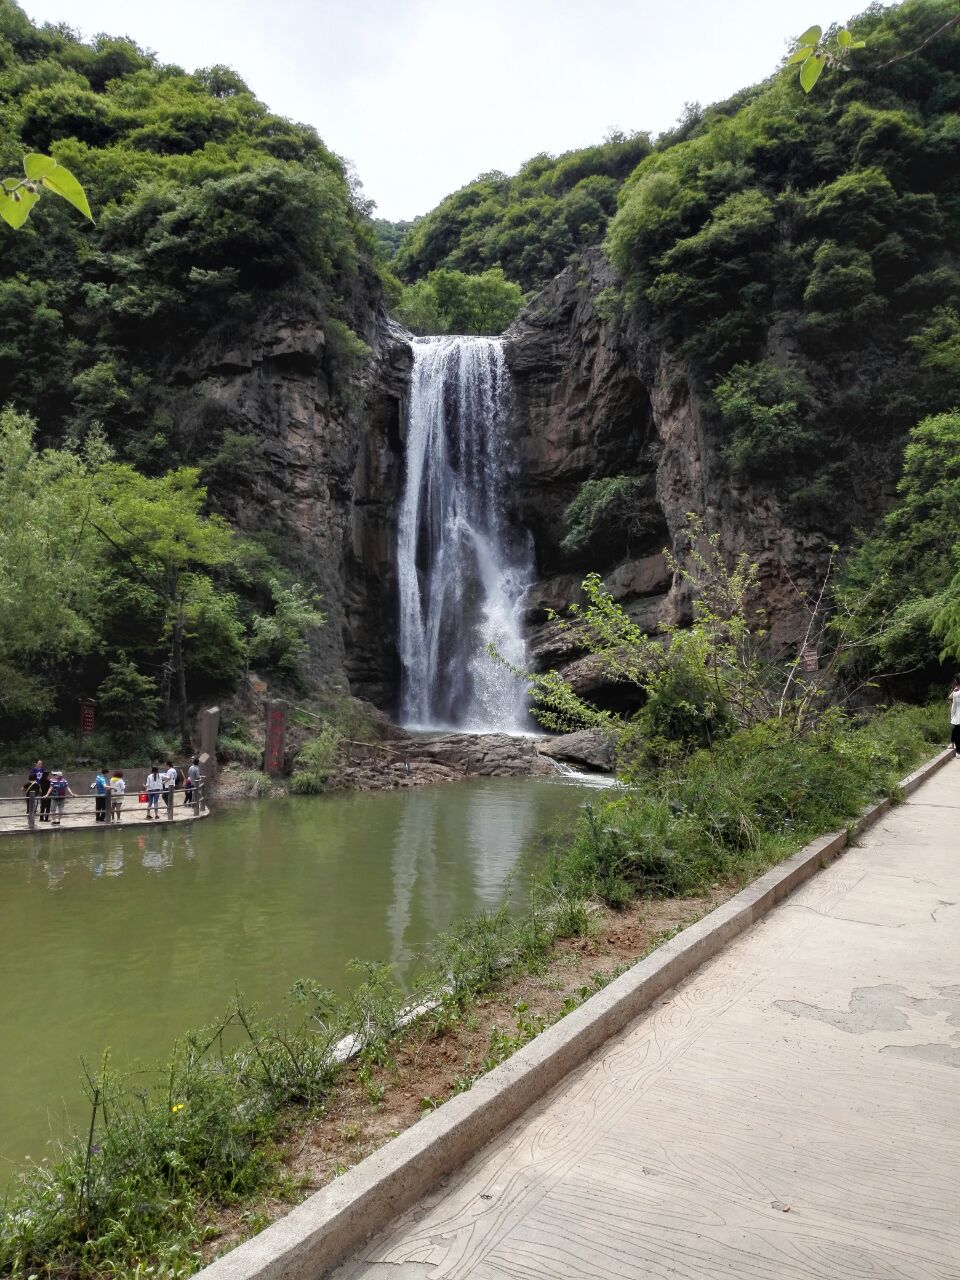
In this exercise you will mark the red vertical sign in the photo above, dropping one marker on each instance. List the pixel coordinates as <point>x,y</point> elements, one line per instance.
<point>86,715</point>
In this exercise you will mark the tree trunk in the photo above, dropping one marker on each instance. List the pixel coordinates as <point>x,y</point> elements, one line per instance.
<point>181,679</point>
<point>178,672</point>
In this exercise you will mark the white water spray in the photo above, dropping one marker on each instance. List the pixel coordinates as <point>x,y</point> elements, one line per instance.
<point>461,570</point>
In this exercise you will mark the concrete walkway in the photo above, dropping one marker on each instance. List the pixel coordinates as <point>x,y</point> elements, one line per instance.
<point>790,1112</point>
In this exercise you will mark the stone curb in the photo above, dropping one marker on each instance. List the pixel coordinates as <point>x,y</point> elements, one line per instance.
<point>334,1222</point>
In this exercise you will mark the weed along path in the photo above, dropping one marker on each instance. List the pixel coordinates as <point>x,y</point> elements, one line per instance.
<point>789,1111</point>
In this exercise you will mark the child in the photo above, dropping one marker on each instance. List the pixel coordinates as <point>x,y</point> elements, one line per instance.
<point>117,791</point>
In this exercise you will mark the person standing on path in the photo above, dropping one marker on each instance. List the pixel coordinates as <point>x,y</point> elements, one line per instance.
<point>955,717</point>
<point>32,793</point>
<point>44,780</point>
<point>102,788</point>
<point>117,790</point>
<point>169,786</point>
<point>192,781</point>
<point>153,786</point>
<point>58,791</point>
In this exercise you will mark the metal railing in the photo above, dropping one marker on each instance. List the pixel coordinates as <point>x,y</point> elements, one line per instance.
<point>48,809</point>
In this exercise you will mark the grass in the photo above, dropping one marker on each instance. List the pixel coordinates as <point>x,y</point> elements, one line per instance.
<point>137,1191</point>
<point>733,811</point>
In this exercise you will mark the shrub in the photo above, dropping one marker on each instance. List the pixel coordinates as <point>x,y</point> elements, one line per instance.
<point>236,748</point>
<point>613,510</point>
<point>254,784</point>
<point>316,761</point>
<point>766,409</point>
<point>726,813</point>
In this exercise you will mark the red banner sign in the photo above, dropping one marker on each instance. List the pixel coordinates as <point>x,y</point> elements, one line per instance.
<point>86,716</point>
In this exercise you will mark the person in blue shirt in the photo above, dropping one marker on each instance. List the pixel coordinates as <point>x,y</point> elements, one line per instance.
<point>102,788</point>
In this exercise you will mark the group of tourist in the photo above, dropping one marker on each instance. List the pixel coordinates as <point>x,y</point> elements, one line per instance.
<point>46,791</point>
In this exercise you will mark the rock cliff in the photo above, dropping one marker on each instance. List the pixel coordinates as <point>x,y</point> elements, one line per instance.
<point>327,446</point>
<point>592,397</point>
<point>595,397</point>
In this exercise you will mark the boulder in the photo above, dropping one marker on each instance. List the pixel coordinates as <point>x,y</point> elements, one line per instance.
<point>591,748</point>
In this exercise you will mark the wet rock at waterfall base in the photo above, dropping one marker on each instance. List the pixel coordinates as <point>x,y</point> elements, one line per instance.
<point>448,757</point>
<point>589,748</point>
<point>488,755</point>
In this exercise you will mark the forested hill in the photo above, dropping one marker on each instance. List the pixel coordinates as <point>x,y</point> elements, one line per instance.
<point>222,230</point>
<point>209,209</point>
<point>800,253</point>
<point>528,225</point>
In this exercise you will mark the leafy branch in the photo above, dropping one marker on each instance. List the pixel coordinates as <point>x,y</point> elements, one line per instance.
<point>19,195</point>
<point>815,52</point>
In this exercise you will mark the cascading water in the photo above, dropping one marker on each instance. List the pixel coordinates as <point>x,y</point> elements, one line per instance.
<point>461,570</point>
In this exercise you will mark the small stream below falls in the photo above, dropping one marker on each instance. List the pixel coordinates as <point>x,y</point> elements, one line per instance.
<point>125,939</point>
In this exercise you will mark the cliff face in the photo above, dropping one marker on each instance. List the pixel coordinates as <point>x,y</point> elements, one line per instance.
<point>593,397</point>
<point>325,477</point>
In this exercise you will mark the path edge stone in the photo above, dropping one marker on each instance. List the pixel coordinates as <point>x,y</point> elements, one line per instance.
<point>336,1221</point>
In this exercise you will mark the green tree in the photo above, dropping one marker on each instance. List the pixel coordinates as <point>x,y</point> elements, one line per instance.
<point>50,573</point>
<point>127,700</point>
<point>765,407</point>
<point>454,302</point>
<point>907,576</point>
<point>279,638</point>
<point>158,536</point>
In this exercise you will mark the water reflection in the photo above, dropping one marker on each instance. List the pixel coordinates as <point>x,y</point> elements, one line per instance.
<point>123,939</point>
<point>480,842</point>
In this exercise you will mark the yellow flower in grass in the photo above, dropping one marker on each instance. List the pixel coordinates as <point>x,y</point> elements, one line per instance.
<point>178,1107</point>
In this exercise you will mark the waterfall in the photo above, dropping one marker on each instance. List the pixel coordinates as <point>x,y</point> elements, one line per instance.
<point>461,570</point>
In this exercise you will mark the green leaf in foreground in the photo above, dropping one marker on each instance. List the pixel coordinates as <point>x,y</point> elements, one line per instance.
<point>801,54</point>
<point>15,206</point>
<point>810,72</point>
<point>37,166</point>
<point>811,36</point>
<point>63,182</point>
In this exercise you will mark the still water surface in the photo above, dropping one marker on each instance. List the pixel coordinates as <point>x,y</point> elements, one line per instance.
<point>124,939</point>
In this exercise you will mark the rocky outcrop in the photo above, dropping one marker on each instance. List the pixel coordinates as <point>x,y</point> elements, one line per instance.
<point>408,761</point>
<point>595,396</point>
<point>322,475</point>
<point>488,755</point>
<point>590,748</point>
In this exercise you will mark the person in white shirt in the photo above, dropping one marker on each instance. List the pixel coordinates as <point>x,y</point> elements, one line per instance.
<point>153,786</point>
<point>955,717</point>
<point>169,786</point>
<point>118,789</point>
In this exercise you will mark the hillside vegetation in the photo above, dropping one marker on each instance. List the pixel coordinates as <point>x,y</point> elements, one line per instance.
<point>209,208</point>
<point>529,225</point>
<point>800,253</point>
<point>211,214</point>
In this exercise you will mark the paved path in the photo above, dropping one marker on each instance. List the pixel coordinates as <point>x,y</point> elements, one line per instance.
<point>790,1112</point>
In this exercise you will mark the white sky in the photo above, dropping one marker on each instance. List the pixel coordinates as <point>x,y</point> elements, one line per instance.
<point>423,95</point>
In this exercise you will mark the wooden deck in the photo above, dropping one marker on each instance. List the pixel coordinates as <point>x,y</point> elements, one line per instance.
<point>78,815</point>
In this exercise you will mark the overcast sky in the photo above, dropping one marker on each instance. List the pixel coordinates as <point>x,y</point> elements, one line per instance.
<point>423,95</point>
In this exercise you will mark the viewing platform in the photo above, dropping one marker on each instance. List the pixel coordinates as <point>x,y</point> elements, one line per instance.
<point>79,814</point>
